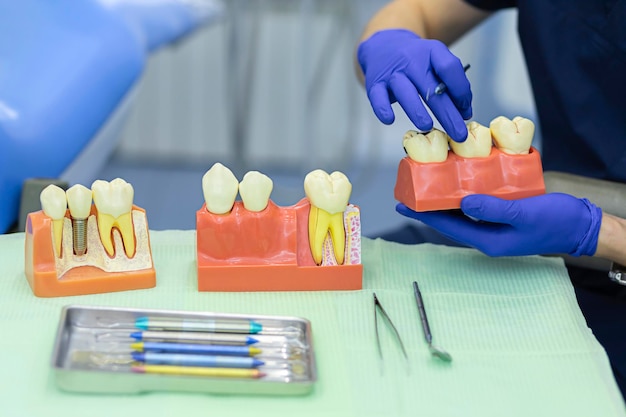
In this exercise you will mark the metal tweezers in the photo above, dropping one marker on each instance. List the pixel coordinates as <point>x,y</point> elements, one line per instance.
<point>378,306</point>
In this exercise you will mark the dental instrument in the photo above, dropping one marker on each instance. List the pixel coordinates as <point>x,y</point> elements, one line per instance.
<point>377,306</point>
<point>442,88</point>
<point>435,351</point>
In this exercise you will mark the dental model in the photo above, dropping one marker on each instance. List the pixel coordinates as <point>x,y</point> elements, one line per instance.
<point>220,187</point>
<point>255,190</point>
<point>89,248</point>
<point>513,137</point>
<point>79,201</point>
<point>426,148</point>
<point>328,195</point>
<point>496,160</point>
<point>478,142</point>
<point>54,205</point>
<point>255,245</point>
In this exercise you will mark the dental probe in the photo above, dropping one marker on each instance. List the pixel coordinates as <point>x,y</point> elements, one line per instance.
<point>442,88</point>
<point>435,351</point>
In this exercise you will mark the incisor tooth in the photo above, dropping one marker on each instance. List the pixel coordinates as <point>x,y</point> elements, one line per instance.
<point>426,148</point>
<point>328,195</point>
<point>219,186</point>
<point>478,143</point>
<point>54,205</point>
<point>255,190</point>
<point>512,136</point>
<point>114,202</point>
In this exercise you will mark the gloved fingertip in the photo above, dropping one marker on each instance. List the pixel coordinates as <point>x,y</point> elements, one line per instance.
<point>466,113</point>
<point>405,211</point>
<point>459,135</point>
<point>472,203</point>
<point>401,208</point>
<point>385,116</point>
<point>423,124</point>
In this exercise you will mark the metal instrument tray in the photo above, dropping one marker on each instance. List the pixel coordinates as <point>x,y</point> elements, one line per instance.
<point>81,327</point>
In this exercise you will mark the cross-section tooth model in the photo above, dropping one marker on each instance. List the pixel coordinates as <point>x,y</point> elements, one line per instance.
<point>255,245</point>
<point>497,160</point>
<point>90,248</point>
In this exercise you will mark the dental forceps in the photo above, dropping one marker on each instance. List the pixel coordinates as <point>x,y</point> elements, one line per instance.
<point>378,306</point>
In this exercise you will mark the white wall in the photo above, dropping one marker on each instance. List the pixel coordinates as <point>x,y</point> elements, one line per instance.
<point>273,84</point>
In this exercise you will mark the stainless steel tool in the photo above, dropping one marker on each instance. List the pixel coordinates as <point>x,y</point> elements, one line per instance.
<point>434,350</point>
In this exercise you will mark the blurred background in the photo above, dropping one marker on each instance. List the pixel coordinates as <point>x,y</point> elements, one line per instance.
<point>270,86</point>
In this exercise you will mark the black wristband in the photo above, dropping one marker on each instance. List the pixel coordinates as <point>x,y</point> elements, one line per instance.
<point>618,273</point>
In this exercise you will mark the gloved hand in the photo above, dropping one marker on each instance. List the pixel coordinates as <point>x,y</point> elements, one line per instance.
<point>400,66</point>
<point>547,224</point>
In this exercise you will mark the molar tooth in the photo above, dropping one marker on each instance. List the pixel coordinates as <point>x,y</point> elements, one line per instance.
<point>79,202</point>
<point>426,148</point>
<point>512,136</point>
<point>220,187</point>
<point>328,195</point>
<point>114,202</point>
<point>478,143</point>
<point>255,190</point>
<point>54,205</point>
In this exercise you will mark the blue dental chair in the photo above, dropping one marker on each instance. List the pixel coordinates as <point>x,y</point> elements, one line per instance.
<point>68,73</point>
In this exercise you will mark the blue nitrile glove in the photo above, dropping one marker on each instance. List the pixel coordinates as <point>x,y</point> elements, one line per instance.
<point>547,224</point>
<point>400,66</point>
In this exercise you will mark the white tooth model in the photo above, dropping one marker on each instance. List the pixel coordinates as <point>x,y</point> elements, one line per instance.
<point>328,195</point>
<point>426,148</point>
<point>478,143</point>
<point>79,202</point>
<point>54,205</point>
<point>114,202</point>
<point>255,190</point>
<point>94,250</point>
<point>220,187</point>
<point>512,136</point>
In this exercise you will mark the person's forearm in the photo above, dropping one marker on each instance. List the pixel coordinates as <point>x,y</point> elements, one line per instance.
<point>399,14</point>
<point>612,239</point>
<point>445,20</point>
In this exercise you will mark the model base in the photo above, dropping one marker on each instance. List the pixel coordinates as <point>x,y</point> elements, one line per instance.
<point>42,265</point>
<point>269,251</point>
<point>442,185</point>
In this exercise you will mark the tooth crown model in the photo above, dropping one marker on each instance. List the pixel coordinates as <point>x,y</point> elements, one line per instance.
<point>256,245</point>
<point>433,177</point>
<point>88,249</point>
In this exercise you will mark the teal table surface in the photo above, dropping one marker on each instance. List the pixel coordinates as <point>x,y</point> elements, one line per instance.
<point>520,344</point>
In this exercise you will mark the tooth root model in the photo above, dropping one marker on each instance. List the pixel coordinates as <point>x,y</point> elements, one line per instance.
<point>328,195</point>
<point>92,248</point>
<point>497,160</point>
<point>255,245</point>
<point>54,205</point>
<point>114,202</point>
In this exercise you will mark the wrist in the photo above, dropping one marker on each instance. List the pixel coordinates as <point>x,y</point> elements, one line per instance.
<point>588,245</point>
<point>612,239</point>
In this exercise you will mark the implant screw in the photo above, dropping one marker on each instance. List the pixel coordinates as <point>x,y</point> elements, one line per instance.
<point>79,236</point>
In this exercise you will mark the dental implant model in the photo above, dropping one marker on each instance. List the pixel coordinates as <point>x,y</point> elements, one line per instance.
<point>90,248</point>
<point>255,245</point>
<point>438,172</point>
